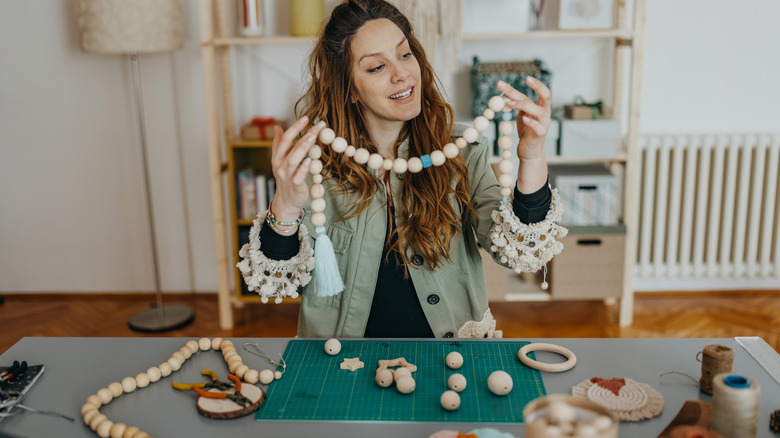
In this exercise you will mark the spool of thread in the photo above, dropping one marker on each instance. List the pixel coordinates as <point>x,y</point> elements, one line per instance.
<point>716,359</point>
<point>735,402</point>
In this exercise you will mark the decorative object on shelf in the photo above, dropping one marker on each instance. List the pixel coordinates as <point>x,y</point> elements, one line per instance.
<point>261,128</point>
<point>590,138</point>
<point>306,17</point>
<point>133,27</point>
<point>735,405</point>
<point>571,359</point>
<point>559,415</point>
<point>585,14</point>
<point>250,17</point>
<point>582,110</point>
<point>627,399</point>
<point>485,75</point>
<point>715,359</point>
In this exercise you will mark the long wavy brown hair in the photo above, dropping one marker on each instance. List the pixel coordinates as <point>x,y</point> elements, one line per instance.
<point>428,220</point>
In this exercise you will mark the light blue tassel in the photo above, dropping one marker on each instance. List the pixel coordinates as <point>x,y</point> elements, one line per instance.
<point>326,269</point>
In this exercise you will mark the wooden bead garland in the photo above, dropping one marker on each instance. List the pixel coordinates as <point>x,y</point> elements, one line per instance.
<point>106,428</point>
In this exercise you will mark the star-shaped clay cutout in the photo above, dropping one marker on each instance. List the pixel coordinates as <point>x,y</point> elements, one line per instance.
<point>353,364</point>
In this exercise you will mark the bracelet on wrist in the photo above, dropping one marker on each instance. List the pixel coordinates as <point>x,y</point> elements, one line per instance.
<point>274,221</point>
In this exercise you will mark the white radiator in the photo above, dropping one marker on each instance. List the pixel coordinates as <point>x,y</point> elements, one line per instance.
<point>709,206</point>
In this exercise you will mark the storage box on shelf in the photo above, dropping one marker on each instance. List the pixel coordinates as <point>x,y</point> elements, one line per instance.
<point>590,194</point>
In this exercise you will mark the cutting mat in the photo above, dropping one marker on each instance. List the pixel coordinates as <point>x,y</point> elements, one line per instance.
<point>314,387</point>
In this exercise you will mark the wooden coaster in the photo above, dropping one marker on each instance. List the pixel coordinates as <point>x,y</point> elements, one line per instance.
<point>223,409</point>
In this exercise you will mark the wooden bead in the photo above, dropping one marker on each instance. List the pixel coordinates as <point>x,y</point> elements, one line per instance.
<point>94,400</point>
<point>505,142</point>
<point>241,370</point>
<point>115,388</point>
<point>506,191</point>
<point>387,164</point>
<point>500,382</point>
<point>454,360</point>
<point>154,374</point>
<point>179,356</point>
<point>277,375</point>
<point>266,377</point>
<point>315,152</point>
<point>230,354</point>
<point>216,343</point>
<point>450,400</point>
<point>174,363</point>
<point>505,166</point>
<point>506,127</point>
<point>128,384</point>
<point>104,428</point>
<point>461,143</point>
<point>451,150</point>
<point>185,351</point>
<point>405,385</point>
<point>130,432</point>
<point>438,158</point>
<point>506,154</point>
<point>400,165</point>
<point>317,191</point>
<point>204,343</point>
<point>105,395</point>
<point>89,415</point>
<point>470,135</point>
<point>318,219</point>
<point>350,151</point>
<point>332,346</point>
<point>506,180</point>
<point>481,123</point>
<point>361,155</point>
<point>315,167</point>
<point>141,434</point>
<point>117,430</point>
<point>318,204</point>
<point>339,145</point>
<point>316,179</point>
<point>375,161</point>
<point>414,164</point>
<point>97,419</point>
<point>457,382</point>
<point>384,377</point>
<point>234,362</point>
<point>142,380</point>
<point>401,373</point>
<point>165,369</point>
<point>327,136</point>
<point>227,343</point>
<point>489,113</point>
<point>193,346</point>
<point>88,407</point>
<point>496,103</point>
<point>251,376</point>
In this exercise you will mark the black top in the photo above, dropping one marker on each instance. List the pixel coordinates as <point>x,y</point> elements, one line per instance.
<point>396,310</point>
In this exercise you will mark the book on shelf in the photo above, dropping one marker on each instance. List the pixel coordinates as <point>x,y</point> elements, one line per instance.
<point>254,191</point>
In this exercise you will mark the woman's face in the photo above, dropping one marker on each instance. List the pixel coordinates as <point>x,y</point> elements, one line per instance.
<point>385,73</point>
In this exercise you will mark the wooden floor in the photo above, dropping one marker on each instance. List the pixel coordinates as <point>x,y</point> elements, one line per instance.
<point>656,315</point>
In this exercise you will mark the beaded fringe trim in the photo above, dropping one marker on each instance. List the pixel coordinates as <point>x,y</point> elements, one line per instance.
<point>481,329</point>
<point>275,278</point>
<point>527,247</point>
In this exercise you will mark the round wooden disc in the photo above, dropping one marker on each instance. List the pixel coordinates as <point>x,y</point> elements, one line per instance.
<point>223,408</point>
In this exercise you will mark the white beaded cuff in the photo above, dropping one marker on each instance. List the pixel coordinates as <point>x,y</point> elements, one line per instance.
<point>275,278</point>
<point>527,247</point>
<point>481,329</point>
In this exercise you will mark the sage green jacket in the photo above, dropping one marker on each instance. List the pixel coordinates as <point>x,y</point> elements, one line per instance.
<point>450,296</point>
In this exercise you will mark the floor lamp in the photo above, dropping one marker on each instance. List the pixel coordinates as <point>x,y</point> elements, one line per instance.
<point>131,27</point>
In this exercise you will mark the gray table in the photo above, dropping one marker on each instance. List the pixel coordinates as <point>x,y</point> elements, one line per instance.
<point>78,367</point>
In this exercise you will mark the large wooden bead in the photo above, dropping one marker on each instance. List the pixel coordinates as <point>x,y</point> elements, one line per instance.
<point>496,103</point>
<point>131,432</point>
<point>128,384</point>
<point>251,376</point>
<point>142,380</point>
<point>387,164</point>
<point>315,152</point>
<point>179,356</point>
<point>481,123</point>
<point>500,382</point>
<point>89,415</point>
<point>97,419</point>
<point>266,377</point>
<point>505,166</point>
<point>174,363</point>
<point>185,351</point>
<point>241,370</point>
<point>405,385</point>
<point>216,343</point>
<point>227,343</point>
<point>193,346</point>
<point>470,135</point>
<point>414,164</point>
<point>165,369</point>
<point>375,161</point>
<point>438,158</point>
<point>461,143</point>
<point>154,374</point>
<point>450,400</point>
<point>361,155</point>
<point>94,400</point>
<point>489,113</point>
<point>506,180</point>
<point>229,354</point>
<point>318,219</point>
<point>104,428</point>
<point>339,145</point>
<point>316,179</point>
<point>506,154</point>
<point>454,360</point>
<point>204,343</point>
<point>234,362</point>
<point>88,407</point>
<point>117,430</point>
<point>400,165</point>
<point>315,166</point>
<point>506,127</point>
<point>451,150</point>
<point>318,204</point>
<point>105,395</point>
<point>384,378</point>
<point>401,373</point>
<point>350,151</point>
<point>317,191</point>
<point>332,346</point>
<point>505,142</point>
<point>457,382</point>
<point>115,388</point>
<point>327,136</point>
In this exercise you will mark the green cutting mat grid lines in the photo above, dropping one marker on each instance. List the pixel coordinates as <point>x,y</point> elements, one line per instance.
<point>314,387</point>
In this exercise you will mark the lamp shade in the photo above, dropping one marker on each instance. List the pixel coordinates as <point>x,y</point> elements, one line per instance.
<point>130,26</point>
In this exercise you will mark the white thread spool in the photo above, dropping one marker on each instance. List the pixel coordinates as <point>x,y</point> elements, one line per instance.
<point>735,406</point>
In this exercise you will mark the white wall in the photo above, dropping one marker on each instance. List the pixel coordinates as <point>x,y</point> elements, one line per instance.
<point>72,206</point>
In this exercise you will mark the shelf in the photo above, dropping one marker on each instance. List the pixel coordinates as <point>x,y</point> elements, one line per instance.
<point>621,158</point>
<point>238,41</point>
<point>551,34</point>
<point>251,143</point>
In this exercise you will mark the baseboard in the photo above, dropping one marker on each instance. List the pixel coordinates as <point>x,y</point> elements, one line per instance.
<point>661,284</point>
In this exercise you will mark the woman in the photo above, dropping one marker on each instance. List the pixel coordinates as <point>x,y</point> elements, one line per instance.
<point>406,244</point>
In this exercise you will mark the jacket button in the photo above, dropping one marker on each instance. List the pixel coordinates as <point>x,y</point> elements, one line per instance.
<point>433,299</point>
<point>449,335</point>
<point>417,260</point>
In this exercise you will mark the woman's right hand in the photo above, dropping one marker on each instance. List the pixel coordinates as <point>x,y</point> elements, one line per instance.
<point>290,161</point>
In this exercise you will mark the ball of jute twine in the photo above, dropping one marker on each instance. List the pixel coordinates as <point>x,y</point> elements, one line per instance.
<point>716,359</point>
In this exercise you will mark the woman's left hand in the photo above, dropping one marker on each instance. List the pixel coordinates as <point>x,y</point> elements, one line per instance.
<point>533,119</point>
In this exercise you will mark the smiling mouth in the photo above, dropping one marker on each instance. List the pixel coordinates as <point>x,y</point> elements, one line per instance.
<point>403,95</point>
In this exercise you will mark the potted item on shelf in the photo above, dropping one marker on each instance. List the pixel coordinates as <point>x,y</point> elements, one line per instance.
<point>250,17</point>
<point>306,17</point>
<point>485,75</point>
<point>582,110</point>
<point>261,128</point>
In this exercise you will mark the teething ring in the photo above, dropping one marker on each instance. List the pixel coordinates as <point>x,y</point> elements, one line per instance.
<point>551,367</point>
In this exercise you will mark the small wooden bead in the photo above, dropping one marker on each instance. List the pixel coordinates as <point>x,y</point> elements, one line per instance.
<point>277,375</point>
<point>230,354</point>
<point>375,161</point>
<point>142,380</point>
<point>506,180</point>
<point>89,415</point>
<point>332,346</point>
<point>327,136</point>
<point>489,113</point>
<point>128,384</point>
<point>405,385</point>
<point>450,400</point>
<point>179,356</point>
<point>506,154</point>
<point>318,219</point>
<point>315,152</point>
<point>438,158</point>
<point>241,370</point>
<point>251,376</point>
<point>97,419</point>
<point>193,346</point>
<point>481,123</point>
<point>401,373</point>
<point>339,145</point>
<point>104,428</point>
<point>457,382</point>
<point>318,204</point>
<point>115,388</point>
<point>505,142</point>
<point>316,179</point>
<point>387,164</point>
<point>384,378</point>
<point>506,191</point>
<point>505,166</point>
<point>88,407</point>
<point>105,395</point>
<point>414,164</point>
<point>496,103</point>
<point>154,374</point>
<point>361,155</point>
<point>454,360</point>
<point>165,369</point>
<point>174,363</point>
<point>451,150</point>
<point>470,135</point>
<point>234,362</point>
<point>266,377</point>
<point>227,343</point>
<point>400,165</point>
<point>506,127</point>
<point>118,430</point>
<point>216,343</point>
<point>317,191</point>
<point>350,151</point>
<point>204,343</point>
<point>315,167</point>
<point>130,432</point>
<point>94,400</point>
<point>461,143</point>
<point>185,351</point>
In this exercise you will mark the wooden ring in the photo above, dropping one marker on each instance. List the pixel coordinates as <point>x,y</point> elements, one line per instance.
<point>551,367</point>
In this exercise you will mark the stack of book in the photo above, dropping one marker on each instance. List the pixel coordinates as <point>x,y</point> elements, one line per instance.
<point>254,192</point>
